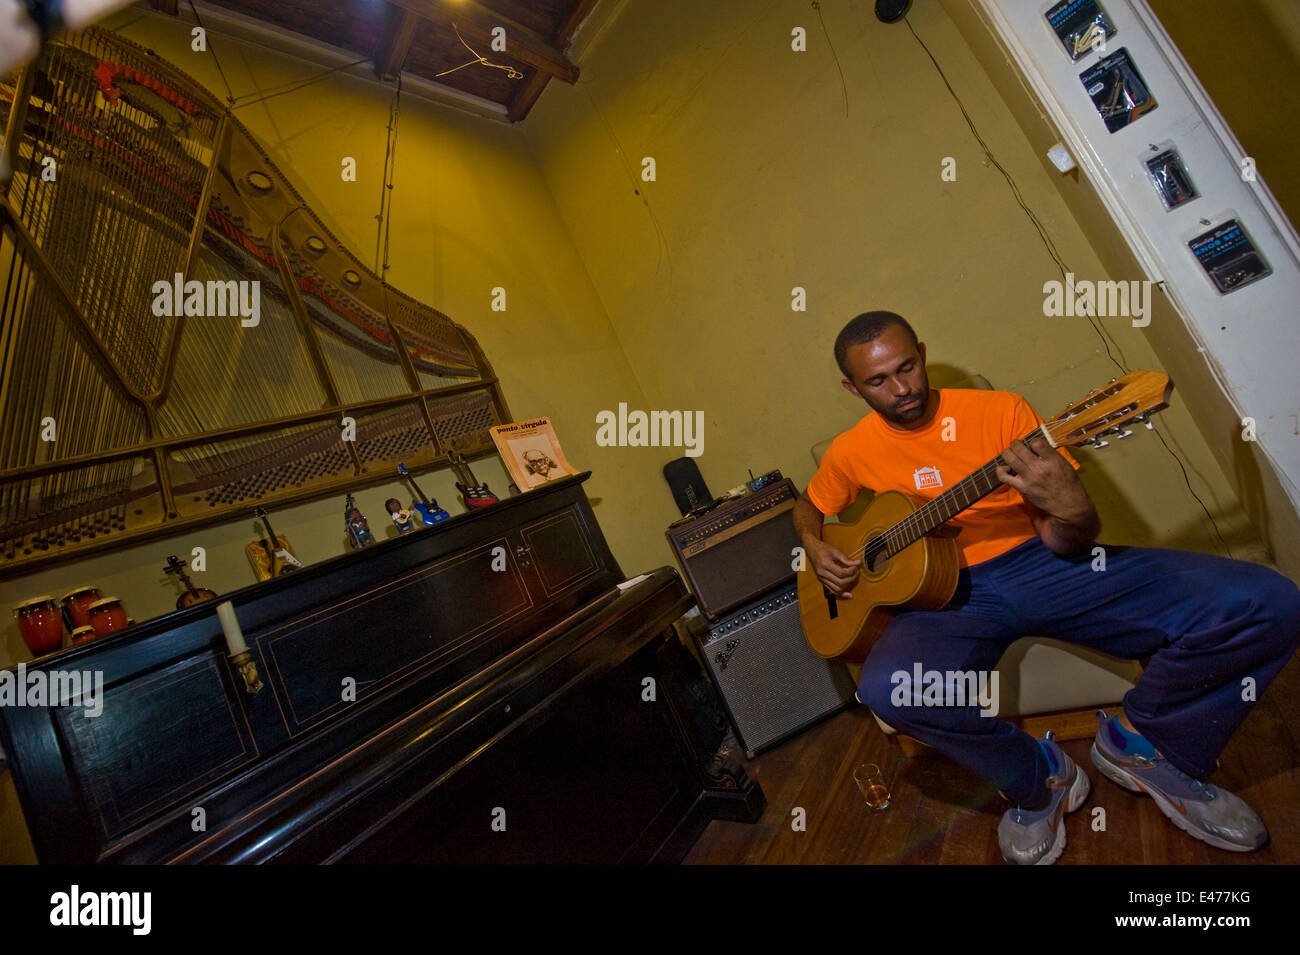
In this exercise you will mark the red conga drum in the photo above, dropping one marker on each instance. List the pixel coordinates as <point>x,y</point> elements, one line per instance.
<point>107,616</point>
<point>40,624</point>
<point>76,606</point>
<point>82,634</point>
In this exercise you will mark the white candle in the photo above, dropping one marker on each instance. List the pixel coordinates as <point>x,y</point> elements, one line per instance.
<point>230,624</point>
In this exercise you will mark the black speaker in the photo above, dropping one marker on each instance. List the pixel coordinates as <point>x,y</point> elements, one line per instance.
<point>772,683</point>
<point>688,487</point>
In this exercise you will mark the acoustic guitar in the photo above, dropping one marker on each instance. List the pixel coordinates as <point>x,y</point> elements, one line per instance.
<point>192,595</point>
<point>910,561</point>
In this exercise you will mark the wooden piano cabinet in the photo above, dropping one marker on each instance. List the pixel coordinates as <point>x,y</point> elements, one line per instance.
<point>479,691</point>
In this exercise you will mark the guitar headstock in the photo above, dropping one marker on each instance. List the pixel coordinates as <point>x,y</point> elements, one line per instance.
<point>174,565</point>
<point>1107,411</point>
<point>401,469</point>
<point>260,511</point>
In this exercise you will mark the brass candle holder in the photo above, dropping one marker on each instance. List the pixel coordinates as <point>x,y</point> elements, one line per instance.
<point>243,662</point>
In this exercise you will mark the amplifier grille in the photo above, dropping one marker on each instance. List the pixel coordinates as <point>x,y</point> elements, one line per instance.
<point>773,684</point>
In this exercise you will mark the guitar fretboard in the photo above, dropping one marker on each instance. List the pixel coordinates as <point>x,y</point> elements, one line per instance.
<point>980,483</point>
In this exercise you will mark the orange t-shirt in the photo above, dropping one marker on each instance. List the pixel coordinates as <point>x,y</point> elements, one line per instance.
<point>978,424</point>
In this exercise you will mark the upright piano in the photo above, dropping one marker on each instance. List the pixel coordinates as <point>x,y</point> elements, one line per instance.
<point>481,690</point>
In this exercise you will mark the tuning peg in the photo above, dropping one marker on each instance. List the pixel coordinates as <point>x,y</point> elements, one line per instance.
<point>1121,435</point>
<point>1098,445</point>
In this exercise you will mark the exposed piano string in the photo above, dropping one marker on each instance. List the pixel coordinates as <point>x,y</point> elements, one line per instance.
<point>169,422</point>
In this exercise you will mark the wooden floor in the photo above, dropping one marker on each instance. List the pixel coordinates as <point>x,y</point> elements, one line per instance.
<point>940,813</point>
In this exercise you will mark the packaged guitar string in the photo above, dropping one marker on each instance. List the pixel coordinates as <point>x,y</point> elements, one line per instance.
<point>1079,24</point>
<point>1228,256</point>
<point>1118,90</point>
<point>1168,173</point>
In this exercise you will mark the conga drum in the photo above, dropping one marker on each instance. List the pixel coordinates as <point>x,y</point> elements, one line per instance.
<point>76,606</point>
<point>40,624</point>
<point>82,634</point>
<point>107,616</point>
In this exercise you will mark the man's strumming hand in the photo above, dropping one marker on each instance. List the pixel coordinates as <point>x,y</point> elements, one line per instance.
<point>1061,510</point>
<point>833,568</point>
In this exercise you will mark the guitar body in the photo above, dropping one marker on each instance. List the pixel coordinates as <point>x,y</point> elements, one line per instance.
<point>472,493</point>
<point>195,596</point>
<point>475,495</point>
<point>430,513</point>
<point>268,562</point>
<point>923,576</point>
<point>192,595</point>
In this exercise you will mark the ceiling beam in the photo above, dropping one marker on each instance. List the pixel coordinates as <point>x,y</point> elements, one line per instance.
<point>476,23</point>
<point>528,92</point>
<point>395,41</point>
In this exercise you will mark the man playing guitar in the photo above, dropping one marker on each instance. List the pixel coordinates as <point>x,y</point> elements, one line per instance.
<point>1210,625</point>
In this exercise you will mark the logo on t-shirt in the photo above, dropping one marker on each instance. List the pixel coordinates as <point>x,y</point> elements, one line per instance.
<point>927,477</point>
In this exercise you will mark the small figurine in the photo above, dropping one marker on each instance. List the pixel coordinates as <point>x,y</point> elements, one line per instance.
<point>358,527</point>
<point>402,518</point>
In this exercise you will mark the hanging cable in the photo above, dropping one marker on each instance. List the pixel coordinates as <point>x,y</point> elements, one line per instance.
<point>385,216</point>
<point>293,85</point>
<point>1060,264</point>
<point>230,94</point>
<point>511,72</point>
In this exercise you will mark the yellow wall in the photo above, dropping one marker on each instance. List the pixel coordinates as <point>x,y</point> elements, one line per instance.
<point>1247,56</point>
<point>15,843</point>
<point>767,180</point>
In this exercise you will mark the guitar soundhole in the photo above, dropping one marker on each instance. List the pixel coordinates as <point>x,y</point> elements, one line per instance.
<point>876,563</point>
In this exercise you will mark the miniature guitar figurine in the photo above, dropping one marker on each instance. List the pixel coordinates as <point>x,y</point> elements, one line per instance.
<point>358,528</point>
<point>471,492</point>
<point>404,520</point>
<point>427,507</point>
<point>192,594</point>
<point>271,556</point>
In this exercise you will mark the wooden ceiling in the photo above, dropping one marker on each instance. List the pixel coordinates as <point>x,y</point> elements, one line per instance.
<point>419,38</point>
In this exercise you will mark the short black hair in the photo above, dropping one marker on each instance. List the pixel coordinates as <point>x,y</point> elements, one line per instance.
<point>865,328</point>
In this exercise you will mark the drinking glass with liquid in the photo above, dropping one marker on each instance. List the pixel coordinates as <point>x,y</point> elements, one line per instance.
<point>871,783</point>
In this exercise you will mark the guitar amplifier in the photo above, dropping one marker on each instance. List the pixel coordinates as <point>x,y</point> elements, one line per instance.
<point>774,686</point>
<point>738,550</point>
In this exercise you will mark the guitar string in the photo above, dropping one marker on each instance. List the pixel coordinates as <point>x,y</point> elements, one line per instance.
<point>900,535</point>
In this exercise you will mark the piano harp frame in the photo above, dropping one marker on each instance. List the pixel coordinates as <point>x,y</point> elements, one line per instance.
<point>162,423</point>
